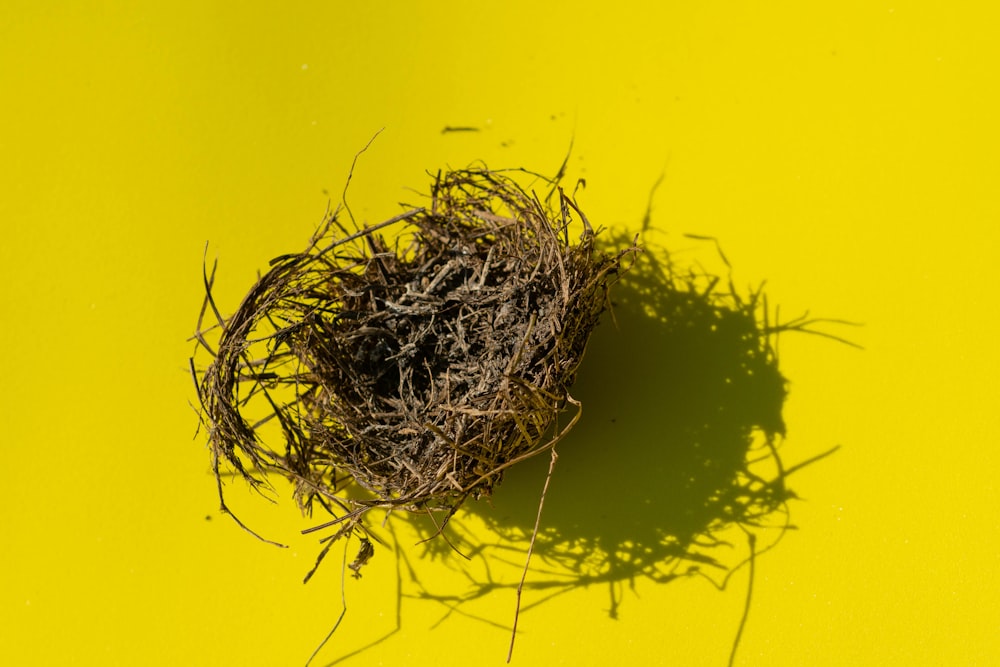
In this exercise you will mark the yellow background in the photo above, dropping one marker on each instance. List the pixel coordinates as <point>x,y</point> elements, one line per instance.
<point>846,153</point>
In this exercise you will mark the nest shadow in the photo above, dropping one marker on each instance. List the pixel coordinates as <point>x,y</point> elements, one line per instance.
<point>677,448</point>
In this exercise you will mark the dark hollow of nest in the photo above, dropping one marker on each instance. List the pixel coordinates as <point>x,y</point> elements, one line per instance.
<point>408,371</point>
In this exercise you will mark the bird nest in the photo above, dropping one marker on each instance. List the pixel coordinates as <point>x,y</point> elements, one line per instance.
<point>408,364</point>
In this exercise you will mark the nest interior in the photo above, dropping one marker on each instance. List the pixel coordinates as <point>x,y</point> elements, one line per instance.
<point>415,366</point>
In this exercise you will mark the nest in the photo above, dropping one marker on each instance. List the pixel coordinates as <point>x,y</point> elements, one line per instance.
<point>408,364</point>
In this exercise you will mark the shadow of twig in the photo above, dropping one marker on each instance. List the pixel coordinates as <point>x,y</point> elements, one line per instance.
<point>680,441</point>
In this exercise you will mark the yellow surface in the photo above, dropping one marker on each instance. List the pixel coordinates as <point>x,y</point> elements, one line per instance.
<point>846,155</point>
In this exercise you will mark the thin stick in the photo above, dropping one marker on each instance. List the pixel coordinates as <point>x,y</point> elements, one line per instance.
<point>343,608</point>
<point>225,508</point>
<point>374,228</point>
<point>208,282</point>
<point>350,174</point>
<point>531,548</point>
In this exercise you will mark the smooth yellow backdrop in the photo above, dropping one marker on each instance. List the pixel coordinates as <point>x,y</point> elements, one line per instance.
<point>844,152</point>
